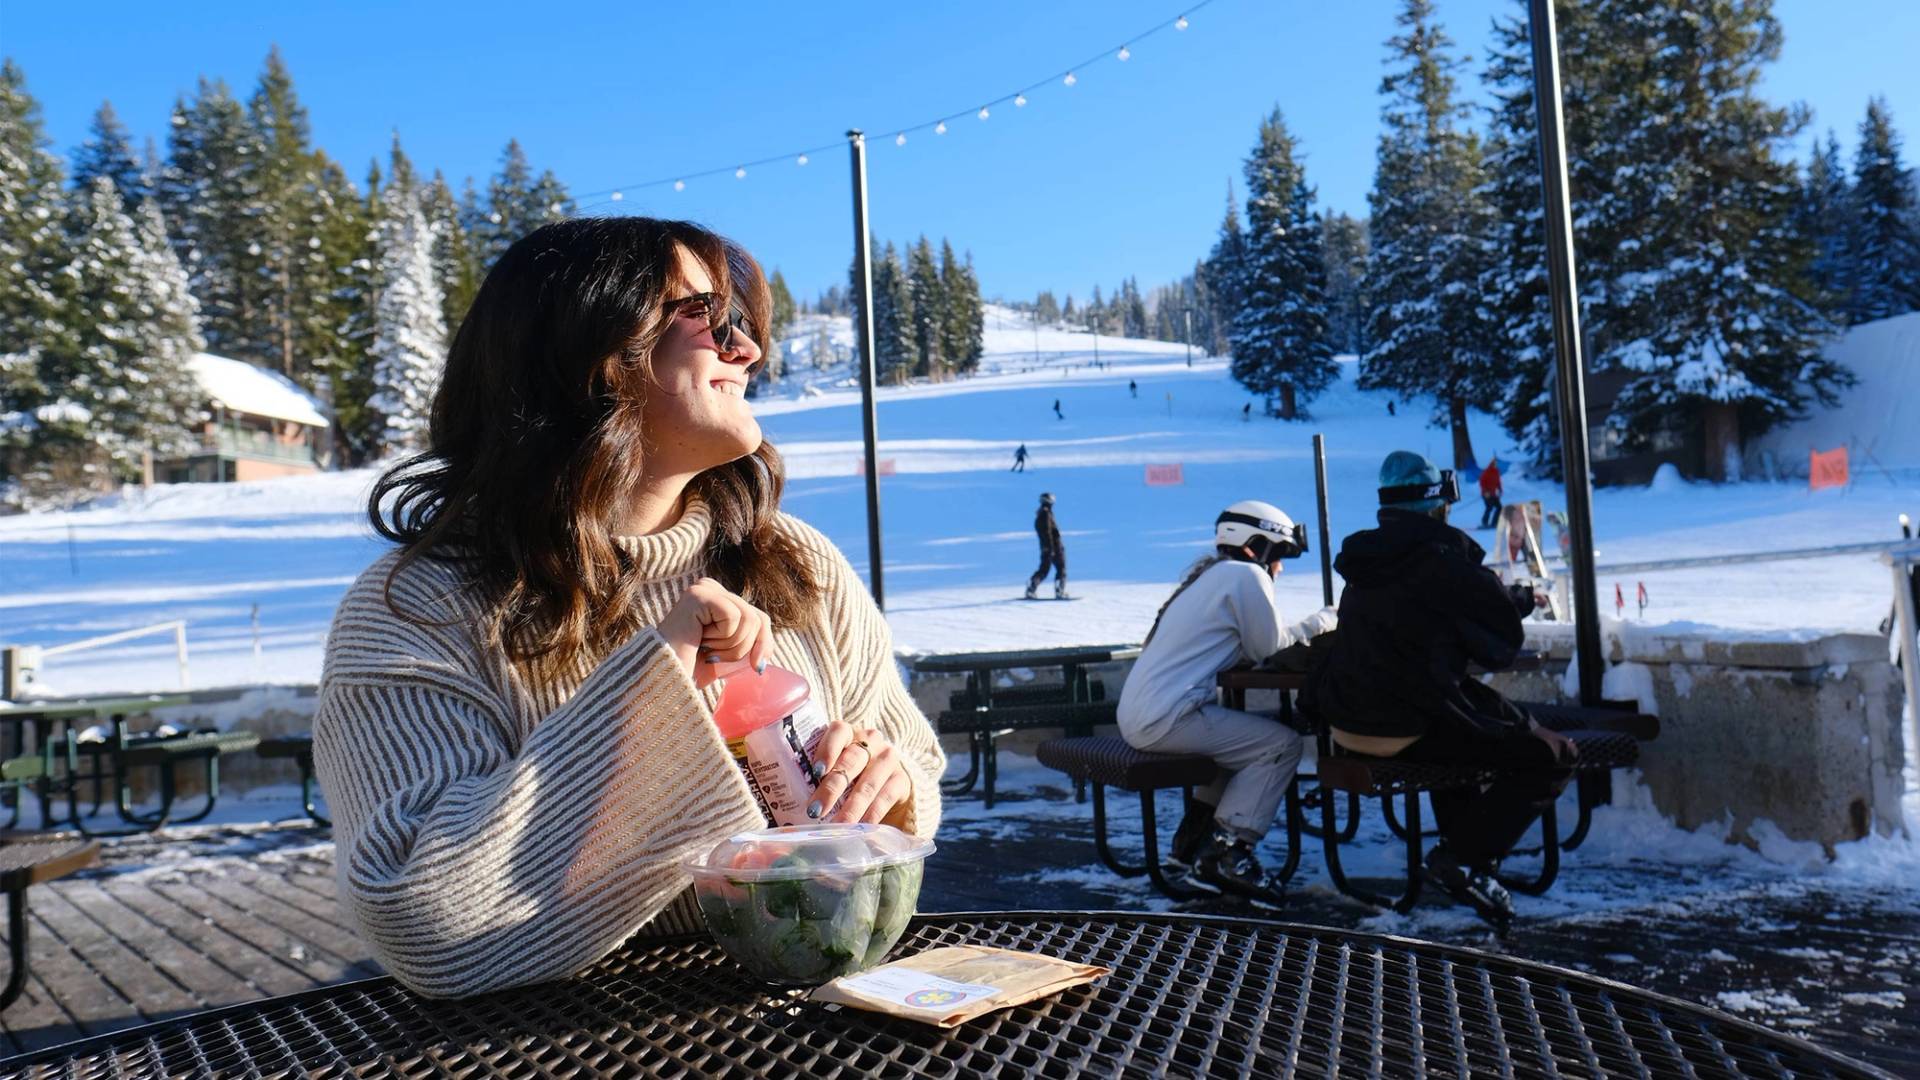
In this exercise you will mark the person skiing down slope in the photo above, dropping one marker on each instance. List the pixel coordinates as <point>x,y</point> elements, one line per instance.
<point>1053,553</point>
<point>1019,458</point>
<point>1223,614</point>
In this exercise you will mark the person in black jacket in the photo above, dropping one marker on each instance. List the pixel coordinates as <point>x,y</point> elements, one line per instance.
<point>1417,609</point>
<point>1053,553</point>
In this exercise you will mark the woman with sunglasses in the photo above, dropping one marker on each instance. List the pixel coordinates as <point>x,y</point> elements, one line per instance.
<point>515,727</point>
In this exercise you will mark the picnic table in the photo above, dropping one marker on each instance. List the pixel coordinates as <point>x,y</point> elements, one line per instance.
<point>1187,995</point>
<point>53,724</point>
<point>982,711</point>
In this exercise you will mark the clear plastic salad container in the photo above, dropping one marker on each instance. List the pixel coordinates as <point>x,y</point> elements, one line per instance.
<point>802,904</point>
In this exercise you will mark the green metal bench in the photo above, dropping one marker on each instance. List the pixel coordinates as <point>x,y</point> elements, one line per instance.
<point>983,726</point>
<point>299,747</point>
<point>165,753</point>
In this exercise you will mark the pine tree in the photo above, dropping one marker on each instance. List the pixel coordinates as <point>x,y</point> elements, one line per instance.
<point>929,311</point>
<point>1885,244</point>
<point>338,303</point>
<point>782,317</point>
<point>211,199</point>
<point>963,327</point>
<point>896,318</point>
<point>1344,239</point>
<point>33,314</point>
<point>1824,218</point>
<point>1431,232</point>
<point>1204,330</point>
<point>1224,265</point>
<point>357,426</point>
<point>518,203</point>
<point>284,176</point>
<point>1096,313</point>
<point>127,367</point>
<point>1046,308</point>
<point>1280,338</point>
<point>454,266</point>
<point>1068,313</point>
<point>1717,320</point>
<point>108,152</point>
<point>410,329</point>
<point>1136,311</point>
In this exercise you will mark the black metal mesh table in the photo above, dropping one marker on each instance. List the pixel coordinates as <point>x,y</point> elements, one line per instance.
<point>1189,996</point>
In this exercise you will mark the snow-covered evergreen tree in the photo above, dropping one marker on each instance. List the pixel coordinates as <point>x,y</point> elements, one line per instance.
<point>126,366</point>
<point>33,313</point>
<point>410,327</point>
<point>455,266</point>
<point>1133,311</point>
<point>108,152</point>
<point>929,311</point>
<point>1825,218</point>
<point>1714,313</point>
<point>1344,240</point>
<point>1428,331</point>
<point>284,175</point>
<point>1280,340</point>
<point>1885,243</point>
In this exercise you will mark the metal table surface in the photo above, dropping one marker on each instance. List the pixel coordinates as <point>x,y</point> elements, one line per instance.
<point>1188,995</point>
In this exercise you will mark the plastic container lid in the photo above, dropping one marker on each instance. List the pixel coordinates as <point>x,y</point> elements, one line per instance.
<point>797,852</point>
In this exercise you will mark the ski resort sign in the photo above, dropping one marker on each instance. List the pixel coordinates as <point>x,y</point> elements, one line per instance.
<point>1165,475</point>
<point>1827,468</point>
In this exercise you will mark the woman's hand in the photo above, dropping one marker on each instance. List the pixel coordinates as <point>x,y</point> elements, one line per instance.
<point>865,780</point>
<point>710,625</point>
<point>1565,751</point>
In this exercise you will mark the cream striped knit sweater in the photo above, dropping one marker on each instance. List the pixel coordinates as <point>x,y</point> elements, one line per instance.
<point>492,833</point>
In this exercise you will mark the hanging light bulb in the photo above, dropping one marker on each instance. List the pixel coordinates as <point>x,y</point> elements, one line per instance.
<point>940,128</point>
<point>1180,23</point>
<point>1019,101</point>
<point>554,209</point>
<point>1070,79</point>
<point>1124,53</point>
<point>740,173</point>
<point>803,159</point>
<point>617,196</point>
<point>983,112</point>
<point>679,185</point>
<point>900,139</point>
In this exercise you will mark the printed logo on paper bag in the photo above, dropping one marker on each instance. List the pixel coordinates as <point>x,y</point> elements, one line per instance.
<point>933,999</point>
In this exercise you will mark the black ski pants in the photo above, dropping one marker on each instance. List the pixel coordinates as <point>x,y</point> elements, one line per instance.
<point>1491,514</point>
<point>1056,558</point>
<point>1482,825</point>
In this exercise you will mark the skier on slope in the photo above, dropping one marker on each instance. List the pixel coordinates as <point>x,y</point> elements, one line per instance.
<point>1223,614</point>
<point>1020,458</point>
<point>1490,492</point>
<point>1056,409</point>
<point>1133,388</point>
<point>1053,553</point>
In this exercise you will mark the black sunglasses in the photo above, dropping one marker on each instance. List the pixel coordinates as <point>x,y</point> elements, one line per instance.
<point>702,306</point>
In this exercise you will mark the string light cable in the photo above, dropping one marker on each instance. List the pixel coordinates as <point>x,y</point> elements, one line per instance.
<point>1066,77</point>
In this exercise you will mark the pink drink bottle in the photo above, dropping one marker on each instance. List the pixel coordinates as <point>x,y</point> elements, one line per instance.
<point>773,727</point>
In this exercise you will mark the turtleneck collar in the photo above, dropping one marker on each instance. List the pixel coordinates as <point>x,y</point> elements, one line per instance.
<point>673,552</point>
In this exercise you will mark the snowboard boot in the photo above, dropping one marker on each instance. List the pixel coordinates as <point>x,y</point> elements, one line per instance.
<point>1477,888</point>
<point>1228,864</point>
<point>1059,590</point>
<point>1032,588</point>
<point>1196,828</point>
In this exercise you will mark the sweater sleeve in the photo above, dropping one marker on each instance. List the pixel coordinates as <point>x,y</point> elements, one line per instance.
<point>873,693</point>
<point>472,859</point>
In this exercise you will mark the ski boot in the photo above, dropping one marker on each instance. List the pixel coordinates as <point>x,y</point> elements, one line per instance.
<point>1228,864</point>
<point>1196,828</point>
<point>1476,888</point>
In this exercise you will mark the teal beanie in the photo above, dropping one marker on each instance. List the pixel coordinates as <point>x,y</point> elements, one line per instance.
<point>1404,467</point>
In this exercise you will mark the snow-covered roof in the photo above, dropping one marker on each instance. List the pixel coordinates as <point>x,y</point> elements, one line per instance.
<point>242,387</point>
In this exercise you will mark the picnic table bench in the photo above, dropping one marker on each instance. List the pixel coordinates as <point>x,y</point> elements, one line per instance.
<point>298,747</point>
<point>24,864</point>
<point>983,712</point>
<point>52,724</point>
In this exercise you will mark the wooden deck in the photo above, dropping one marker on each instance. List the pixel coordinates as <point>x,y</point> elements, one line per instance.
<point>215,916</point>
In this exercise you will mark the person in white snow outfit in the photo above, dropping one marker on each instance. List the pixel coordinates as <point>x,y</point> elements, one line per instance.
<point>1221,616</point>
<point>1053,553</point>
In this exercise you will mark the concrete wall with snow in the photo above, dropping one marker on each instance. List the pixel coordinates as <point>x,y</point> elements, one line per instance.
<point>1801,731</point>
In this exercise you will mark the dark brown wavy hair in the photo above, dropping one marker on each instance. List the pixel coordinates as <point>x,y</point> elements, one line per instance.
<point>536,438</point>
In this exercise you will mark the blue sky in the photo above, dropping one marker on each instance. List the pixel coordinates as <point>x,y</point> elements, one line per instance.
<point>1123,174</point>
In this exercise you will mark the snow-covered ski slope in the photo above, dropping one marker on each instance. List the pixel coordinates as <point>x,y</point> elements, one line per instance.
<point>958,538</point>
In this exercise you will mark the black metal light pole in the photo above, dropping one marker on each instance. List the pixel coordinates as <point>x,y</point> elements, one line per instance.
<point>1326,530</point>
<point>869,423</point>
<point>1570,395</point>
<point>1187,313</point>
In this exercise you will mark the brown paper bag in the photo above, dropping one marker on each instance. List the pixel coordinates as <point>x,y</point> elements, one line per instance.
<point>948,986</point>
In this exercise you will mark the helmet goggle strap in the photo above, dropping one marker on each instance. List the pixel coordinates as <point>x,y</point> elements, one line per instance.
<point>1447,489</point>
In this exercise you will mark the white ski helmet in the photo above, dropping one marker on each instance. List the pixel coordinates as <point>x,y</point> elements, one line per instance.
<point>1261,526</point>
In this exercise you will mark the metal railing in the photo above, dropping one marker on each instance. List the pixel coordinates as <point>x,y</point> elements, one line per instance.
<point>232,439</point>
<point>20,663</point>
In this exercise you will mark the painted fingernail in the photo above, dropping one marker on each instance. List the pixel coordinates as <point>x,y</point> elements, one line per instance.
<point>713,658</point>
<point>819,770</point>
<point>760,668</point>
<point>813,809</point>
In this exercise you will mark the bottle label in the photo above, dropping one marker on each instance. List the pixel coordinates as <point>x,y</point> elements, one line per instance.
<point>777,760</point>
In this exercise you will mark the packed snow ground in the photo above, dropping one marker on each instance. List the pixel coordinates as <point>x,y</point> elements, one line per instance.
<point>958,525</point>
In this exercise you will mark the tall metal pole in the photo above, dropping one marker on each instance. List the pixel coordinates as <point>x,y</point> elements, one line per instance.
<point>1188,313</point>
<point>1326,530</point>
<point>1570,393</point>
<point>869,422</point>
